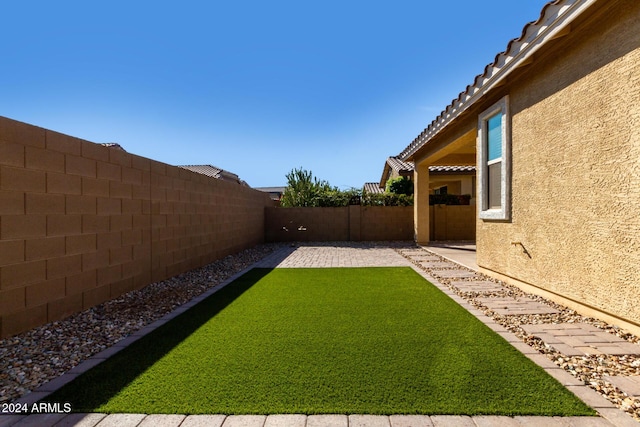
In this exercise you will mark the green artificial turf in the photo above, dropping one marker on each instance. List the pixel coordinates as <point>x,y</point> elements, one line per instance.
<point>348,340</point>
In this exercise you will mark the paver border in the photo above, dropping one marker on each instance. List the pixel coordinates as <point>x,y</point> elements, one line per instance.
<point>606,410</point>
<point>51,386</point>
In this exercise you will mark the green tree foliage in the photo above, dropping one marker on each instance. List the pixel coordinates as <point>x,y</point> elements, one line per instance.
<point>449,199</point>
<point>305,190</point>
<point>337,198</point>
<point>400,185</point>
<point>387,199</point>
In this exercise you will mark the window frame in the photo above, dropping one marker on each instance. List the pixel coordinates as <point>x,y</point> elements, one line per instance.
<point>484,211</point>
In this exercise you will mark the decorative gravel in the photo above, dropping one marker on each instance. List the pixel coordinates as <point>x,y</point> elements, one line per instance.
<point>32,358</point>
<point>593,370</point>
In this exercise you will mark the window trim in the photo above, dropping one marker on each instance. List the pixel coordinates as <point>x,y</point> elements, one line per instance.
<point>504,212</point>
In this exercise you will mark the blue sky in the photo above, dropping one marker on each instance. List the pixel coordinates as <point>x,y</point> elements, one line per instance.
<point>254,87</point>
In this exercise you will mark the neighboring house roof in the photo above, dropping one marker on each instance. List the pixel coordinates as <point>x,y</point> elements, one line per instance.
<point>271,189</point>
<point>373,188</point>
<point>554,21</point>
<point>399,166</point>
<point>453,170</point>
<point>275,192</point>
<point>403,168</point>
<point>214,172</point>
<point>113,145</point>
<point>394,164</point>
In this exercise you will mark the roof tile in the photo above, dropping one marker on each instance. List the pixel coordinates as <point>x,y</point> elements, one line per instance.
<point>554,17</point>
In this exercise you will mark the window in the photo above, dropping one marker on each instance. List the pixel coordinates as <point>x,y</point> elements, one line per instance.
<point>441,190</point>
<point>494,171</point>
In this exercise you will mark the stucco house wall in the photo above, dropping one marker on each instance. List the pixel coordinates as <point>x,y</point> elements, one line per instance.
<point>576,168</point>
<point>571,87</point>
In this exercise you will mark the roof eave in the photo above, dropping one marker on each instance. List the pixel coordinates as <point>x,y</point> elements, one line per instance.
<point>554,21</point>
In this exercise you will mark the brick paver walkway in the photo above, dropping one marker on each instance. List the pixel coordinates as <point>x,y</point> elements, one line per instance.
<point>357,255</point>
<point>477,286</point>
<point>512,306</point>
<point>630,384</point>
<point>436,264</point>
<point>294,420</point>
<point>578,339</point>
<point>455,274</point>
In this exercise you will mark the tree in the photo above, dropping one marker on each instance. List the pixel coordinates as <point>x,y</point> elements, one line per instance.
<point>303,189</point>
<point>400,185</point>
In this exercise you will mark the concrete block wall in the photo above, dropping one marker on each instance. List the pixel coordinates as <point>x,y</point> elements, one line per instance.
<point>306,224</point>
<point>81,223</point>
<point>386,223</point>
<point>452,222</point>
<point>352,223</point>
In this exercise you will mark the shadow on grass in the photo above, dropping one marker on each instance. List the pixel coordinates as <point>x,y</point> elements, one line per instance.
<point>97,386</point>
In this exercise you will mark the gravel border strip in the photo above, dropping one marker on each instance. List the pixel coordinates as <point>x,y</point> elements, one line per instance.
<point>32,358</point>
<point>592,370</point>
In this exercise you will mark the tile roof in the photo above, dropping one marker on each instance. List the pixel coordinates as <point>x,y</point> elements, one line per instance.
<point>399,166</point>
<point>403,168</point>
<point>113,145</point>
<point>452,169</point>
<point>555,18</point>
<point>207,170</point>
<point>214,172</point>
<point>393,164</point>
<point>373,187</point>
<point>271,189</point>
<point>275,192</point>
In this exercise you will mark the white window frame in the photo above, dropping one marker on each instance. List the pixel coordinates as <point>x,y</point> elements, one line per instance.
<point>504,212</point>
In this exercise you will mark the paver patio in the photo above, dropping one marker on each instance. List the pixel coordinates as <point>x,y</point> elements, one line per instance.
<point>367,256</point>
<point>328,256</point>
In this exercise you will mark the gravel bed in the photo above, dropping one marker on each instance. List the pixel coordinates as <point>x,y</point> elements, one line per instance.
<point>32,358</point>
<point>593,370</point>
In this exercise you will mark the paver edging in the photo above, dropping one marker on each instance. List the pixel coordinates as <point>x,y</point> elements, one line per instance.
<point>591,397</point>
<point>55,384</point>
<point>581,390</point>
<point>606,409</point>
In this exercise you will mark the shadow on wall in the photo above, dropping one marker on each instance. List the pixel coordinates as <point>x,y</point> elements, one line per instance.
<point>350,223</point>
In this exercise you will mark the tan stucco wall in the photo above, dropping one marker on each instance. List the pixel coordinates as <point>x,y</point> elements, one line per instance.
<point>576,169</point>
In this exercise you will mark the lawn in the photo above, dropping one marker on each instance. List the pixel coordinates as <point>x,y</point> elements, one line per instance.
<point>312,341</point>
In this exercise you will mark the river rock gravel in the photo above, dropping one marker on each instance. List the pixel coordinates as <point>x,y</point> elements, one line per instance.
<point>593,370</point>
<point>32,358</point>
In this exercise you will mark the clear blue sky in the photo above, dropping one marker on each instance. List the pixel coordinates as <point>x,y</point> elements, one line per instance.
<point>254,87</point>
